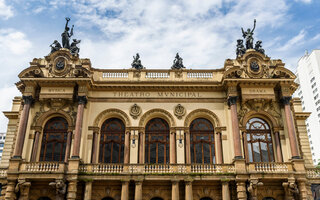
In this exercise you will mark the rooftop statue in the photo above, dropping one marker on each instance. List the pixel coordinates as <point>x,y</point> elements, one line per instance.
<point>258,47</point>
<point>177,62</point>
<point>74,49</point>
<point>240,48</point>
<point>55,46</point>
<point>248,35</point>
<point>66,35</point>
<point>137,62</point>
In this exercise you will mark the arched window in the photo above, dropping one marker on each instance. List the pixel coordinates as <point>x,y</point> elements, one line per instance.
<point>259,141</point>
<point>54,140</point>
<point>202,141</point>
<point>157,141</point>
<point>112,141</point>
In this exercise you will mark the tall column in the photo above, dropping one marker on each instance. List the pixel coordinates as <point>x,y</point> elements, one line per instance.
<point>10,194</point>
<point>225,190</point>
<point>219,148</point>
<point>232,101</point>
<point>141,148</point>
<point>172,148</point>
<point>278,146</point>
<point>134,147</point>
<point>68,147</point>
<point>302,189</point>
<point>126,148</point>
<point>88,190</point>
<point>188,153</point>
<point>94,147</point>
<point>290,127</point>
<point>35,146</point>
<point>77,139</point>
<point>138,190</point>
<point>175,190</point>
<point>241,190</point>
<point>22,126</point>
<point>189,194</point>
<point>125,190</point>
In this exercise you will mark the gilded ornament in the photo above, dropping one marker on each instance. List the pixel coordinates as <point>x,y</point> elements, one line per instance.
<point>135,111</point>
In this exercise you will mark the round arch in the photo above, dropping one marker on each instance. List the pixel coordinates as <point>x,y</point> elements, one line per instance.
<point>261,114</point>
<point>202,113</point>
<point>42,120</point>
<point>111,113</point>
<point>157,113</point>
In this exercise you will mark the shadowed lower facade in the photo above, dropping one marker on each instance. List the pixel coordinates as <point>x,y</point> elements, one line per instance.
<point>136,134</point>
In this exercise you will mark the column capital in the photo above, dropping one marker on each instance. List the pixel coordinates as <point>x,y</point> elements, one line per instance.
<point>232,100</point>
<point>82,100</point>
<point>286,100</point>
<point>28,99</point>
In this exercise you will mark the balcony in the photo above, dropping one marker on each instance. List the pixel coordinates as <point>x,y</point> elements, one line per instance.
<point>272,167</point>
<point>42,167</point>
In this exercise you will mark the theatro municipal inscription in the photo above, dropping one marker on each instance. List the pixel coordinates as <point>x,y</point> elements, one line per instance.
<point>158,94</point>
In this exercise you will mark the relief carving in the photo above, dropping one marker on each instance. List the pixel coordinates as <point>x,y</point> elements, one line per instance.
<point>179,111</point>
<point>61,188</point>
<point>135,111</point>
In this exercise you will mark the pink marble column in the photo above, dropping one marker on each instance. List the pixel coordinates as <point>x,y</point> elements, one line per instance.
<point>278,146</point>
<point>127,148</point>
<point>219,148</point>
<point>290,127</point>
<point>172,148</point>
<point>77,139</point>
<point>68,147</point>
<point>22,126</point>
<point>232,101</point>
<point>35,146</point>
<point>141,147</point>
<point>94,147</point>
<point>188,153</point>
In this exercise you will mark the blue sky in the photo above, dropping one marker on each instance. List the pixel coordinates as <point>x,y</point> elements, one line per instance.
<point>204,32</point>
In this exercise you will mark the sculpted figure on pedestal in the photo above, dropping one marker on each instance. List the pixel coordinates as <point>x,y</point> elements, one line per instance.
<point>137,62</point>
<point>66,35</point>
<point>55,46</point>
<point>22,190</point>
<point>177,62</point>
<point>240,48</point>
<point>73,48</point>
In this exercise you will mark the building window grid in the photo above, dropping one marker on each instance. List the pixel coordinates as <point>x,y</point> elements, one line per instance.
<point>313,85</point>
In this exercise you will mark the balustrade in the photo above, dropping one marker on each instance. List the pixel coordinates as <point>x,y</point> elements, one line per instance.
<point>313,173</point>
<point>157,75</point>
<point>3,173</point>
<point>270,167</point>
<point>199,75</point>
<point>115,75</point>
<point>42,167</point>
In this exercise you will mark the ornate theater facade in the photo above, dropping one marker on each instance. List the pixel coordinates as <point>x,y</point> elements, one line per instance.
<point>79,132</point>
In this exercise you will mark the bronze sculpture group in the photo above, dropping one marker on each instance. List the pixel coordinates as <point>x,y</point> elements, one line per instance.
<point>248,36</point>
<point>66,35</point>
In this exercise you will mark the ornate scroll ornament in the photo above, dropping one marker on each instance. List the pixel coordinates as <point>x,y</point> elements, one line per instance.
<point>135,111</point>
<point>179,111</point>
<point>32,72</point>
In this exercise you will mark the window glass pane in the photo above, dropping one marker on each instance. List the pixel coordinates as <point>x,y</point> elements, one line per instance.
<point>264,152</point>
<point>160,153</point>
<point>198,153</point>
<point>48,156</point>
<point>256,152</point>
<point>115,153</point>
<point>153,152</point>
<point>271,152</point>
<point>107,153</point>
<point>250,153</point>
<point>206,152</point>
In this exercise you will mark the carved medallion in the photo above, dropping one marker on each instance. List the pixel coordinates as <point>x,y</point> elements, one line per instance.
<point>254,66</point>
<point>135,111</point>
<point>60,64</point>
<point>179,111</point>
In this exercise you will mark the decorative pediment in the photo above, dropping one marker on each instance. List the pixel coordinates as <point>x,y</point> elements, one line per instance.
<point>32,72</point>
<point>281,72</point>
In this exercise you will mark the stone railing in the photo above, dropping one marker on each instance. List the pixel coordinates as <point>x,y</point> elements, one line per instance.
<point>313,173</point>
<point>42,167</point>
<point>157,75</point>
<point>155,168</point>
<point>199,75</point>
<point>269,167</point>
<point>115,75</point>
<point>3,173</point>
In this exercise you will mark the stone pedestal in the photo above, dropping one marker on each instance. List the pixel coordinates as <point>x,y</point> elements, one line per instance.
<point>72,190</point>
<point>88,190</point>
<point>225,190</point>
<point>138,191</point>
<point>241,190</point>
<point>125,190</point>
<point>189,194</point>
<point>175,190</point>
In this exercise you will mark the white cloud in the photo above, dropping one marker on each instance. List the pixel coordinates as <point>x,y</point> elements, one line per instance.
<point>303,1</point>
<point>14,41</point>
<point>294,41</point>
<point>5,11</point>
<point>7,94</point>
